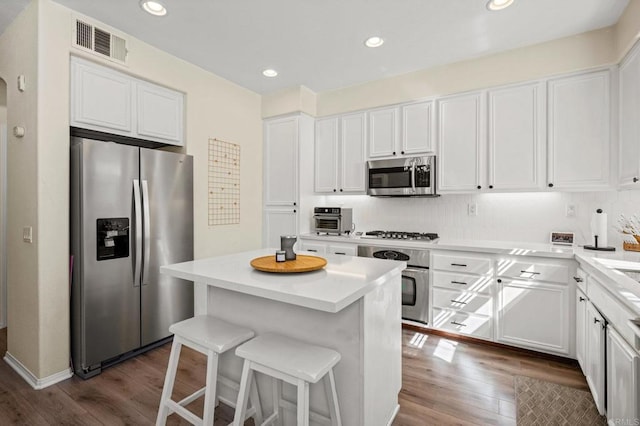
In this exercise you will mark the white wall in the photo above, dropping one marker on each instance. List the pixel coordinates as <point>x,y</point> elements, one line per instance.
<point>528,217</point>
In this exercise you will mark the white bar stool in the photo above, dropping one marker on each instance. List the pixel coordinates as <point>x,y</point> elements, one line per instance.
<point>295,362</point>
<point>212,337</point>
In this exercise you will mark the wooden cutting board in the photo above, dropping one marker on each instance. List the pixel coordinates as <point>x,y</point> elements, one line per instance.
<point>302,263</point>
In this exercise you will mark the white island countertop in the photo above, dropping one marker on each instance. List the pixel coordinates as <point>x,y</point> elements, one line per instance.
<point>341,282</point>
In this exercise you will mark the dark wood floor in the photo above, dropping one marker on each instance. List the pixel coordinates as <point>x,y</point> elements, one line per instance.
<point>444,382</point>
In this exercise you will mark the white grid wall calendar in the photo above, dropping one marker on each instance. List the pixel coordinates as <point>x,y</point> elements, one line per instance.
<point>224,182</point>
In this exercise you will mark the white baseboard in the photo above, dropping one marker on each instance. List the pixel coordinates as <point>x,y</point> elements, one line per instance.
<point>30,378</point>
<point>393,416</point>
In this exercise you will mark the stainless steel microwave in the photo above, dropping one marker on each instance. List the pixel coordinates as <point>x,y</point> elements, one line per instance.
<point>402,177</point>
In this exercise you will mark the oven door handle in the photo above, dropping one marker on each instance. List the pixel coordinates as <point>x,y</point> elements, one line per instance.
<point>413,176</point>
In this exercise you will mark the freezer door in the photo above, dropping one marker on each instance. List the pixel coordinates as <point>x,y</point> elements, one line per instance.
<point>167,188</point>
<point>109,297</point>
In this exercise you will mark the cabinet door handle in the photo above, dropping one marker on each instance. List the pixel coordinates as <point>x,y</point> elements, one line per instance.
<point>581,299</point>
<point>457,301</point>
<point>334,190</point>
<point>313,250</point>
<point>340,252</point>
<point>459,264</point>
<point>529,272</point>
<point>340,189</point>
<point>635,179</point>
<point>394,153</point>
<point>499,280</point>
<point>294,210</point>
<point>490,186</point>
<point>479,187</point>
<point>458,323</point>
<point>458,282</point>
<point>550,185</point>
<point>578,279</point>
<point>596,320</point>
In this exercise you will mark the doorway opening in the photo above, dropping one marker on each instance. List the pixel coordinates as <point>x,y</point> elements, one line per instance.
<point>3,204</point>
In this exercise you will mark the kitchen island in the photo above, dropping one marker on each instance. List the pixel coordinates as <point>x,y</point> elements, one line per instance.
<point>352,306</point>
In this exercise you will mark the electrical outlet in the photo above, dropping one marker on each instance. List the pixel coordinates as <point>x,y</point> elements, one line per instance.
<point>472,209</point>
<point>27,234</point>
<point>571,210</point>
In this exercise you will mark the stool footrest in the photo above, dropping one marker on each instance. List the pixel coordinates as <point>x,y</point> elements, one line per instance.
<point>189,399</point>
<point>183,412</point>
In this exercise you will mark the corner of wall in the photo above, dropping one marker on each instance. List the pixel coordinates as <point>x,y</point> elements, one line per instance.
<point>627,30</point>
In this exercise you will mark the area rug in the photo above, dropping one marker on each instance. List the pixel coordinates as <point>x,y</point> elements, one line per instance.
<point>540,403</point>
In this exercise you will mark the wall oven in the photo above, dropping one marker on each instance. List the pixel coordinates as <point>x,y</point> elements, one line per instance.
<point>402,177</point>
<point>415,278</point>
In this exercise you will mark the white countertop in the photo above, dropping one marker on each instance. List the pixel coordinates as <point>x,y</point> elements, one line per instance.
<point>344,280</point>
<point>520,248</point>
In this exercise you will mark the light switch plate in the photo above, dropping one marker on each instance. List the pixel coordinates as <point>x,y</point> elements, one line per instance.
<point>472,209</point>
<point>27,234</point>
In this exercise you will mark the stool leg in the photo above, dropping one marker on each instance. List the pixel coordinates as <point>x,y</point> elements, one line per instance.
<point>303,403</point>
<point>332,398</point>
<point>255,401</point>
<point>276,389</point>
<point>243,394</point>
<point>210,392</point>
<point>169,380</point>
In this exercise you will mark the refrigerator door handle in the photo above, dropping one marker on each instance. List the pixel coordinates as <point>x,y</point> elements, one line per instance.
<point>138,224</point>
<point>147,236</point>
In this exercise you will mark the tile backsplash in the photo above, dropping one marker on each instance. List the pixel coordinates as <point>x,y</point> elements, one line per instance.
<point>526,216</point>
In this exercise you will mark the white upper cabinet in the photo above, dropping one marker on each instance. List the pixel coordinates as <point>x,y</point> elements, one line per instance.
<point>339,154</point>
<point>383,132</point>
<point>160,113</point>
<point>352,168</point>
<point>579,116</point>
<point>106,100</point>
<point>629,155</point>
<point>515,137</point>
<point>401,131</point>
<point>100,98</point>
<point>461,141</point>
<point>281,162</point>
<point>417,128</point>
<point>326,155</point>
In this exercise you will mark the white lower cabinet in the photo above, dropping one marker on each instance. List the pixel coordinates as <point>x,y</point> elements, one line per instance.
<point>329,248</point>
<point>596,362</point>
<point>623,371</point>
<point>533,315</point>
<point>313,247</point>
<point>581,329</point>
<point>343,249</point>
<point>463,323</point>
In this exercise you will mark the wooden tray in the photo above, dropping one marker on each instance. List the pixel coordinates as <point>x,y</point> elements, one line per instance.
<point>301,264</point>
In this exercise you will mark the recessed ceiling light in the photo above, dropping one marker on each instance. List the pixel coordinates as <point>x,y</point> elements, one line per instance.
<point>269,72</point>
<point>153,7</point>
<point>374,41</point>
<point>498,4</point>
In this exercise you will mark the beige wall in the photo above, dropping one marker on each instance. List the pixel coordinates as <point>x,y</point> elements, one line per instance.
<point>596,48</point>
<point>18,55</point>
<point>39,277</point>
<point>3,202</point>
<point>295,99</point>
<point>564,55</point>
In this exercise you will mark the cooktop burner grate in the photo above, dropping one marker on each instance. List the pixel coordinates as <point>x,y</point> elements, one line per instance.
<point>400,235</point>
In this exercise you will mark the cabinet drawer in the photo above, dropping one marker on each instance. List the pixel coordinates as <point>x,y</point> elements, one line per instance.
<point>465,301</point>
<point>315,248</point>
<point>480,284</point>
<point>581,279</point>
<point>533,271</point>
<point>348,250</point>
<point>462,323</point>
<point>474,265</point>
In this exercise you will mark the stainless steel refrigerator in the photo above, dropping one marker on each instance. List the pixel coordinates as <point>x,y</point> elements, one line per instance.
<point>131,212</point>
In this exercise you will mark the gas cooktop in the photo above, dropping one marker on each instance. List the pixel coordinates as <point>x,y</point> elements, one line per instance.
<point>398,235</point>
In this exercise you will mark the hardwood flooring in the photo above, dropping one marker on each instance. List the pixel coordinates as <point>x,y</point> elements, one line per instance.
<point>445,382</point>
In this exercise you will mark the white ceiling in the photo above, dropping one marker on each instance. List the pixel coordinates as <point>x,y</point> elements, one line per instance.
<point>319,43</point>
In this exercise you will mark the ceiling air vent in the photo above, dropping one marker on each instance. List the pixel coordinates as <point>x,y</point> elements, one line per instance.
<point>98,41</point>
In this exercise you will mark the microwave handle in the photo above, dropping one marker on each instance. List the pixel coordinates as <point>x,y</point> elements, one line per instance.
<point>413,176</point>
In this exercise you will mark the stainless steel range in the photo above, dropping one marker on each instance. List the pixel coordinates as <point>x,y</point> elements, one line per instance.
<point>415,278</point>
